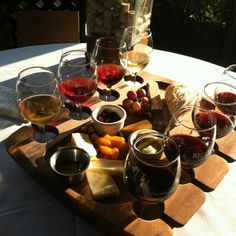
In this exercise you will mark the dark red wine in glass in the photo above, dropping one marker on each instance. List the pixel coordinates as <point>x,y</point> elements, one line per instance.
<point>204,120</point>
<point>110,74</point>
<point>226,102</point>
<point>193,150</point>
<point>151,177</point>
<point>223,95</point>
<point>194,141</point>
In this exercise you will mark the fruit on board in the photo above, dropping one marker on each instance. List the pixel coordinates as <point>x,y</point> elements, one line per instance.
<point>111,146</point>
<point>136,102</point>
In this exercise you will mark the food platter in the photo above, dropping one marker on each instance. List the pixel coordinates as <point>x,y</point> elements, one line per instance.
<point>115,216</point>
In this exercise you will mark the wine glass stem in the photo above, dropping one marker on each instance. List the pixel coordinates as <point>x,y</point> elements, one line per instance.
<point>133,77</point>
<point>79,109</point>
<point>108,93</point>
<point>42,133</point>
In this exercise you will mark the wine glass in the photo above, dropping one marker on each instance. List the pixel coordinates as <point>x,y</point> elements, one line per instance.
<point>229,74</point>
<point>139,44</point>
<point>111,61</point>
<point>78,81</point>
<point>152,170</point>
<point>195,142</point>
<point>223,95</point>
<point>38,99</point>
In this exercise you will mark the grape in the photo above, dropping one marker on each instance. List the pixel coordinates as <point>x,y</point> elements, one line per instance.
<point>137,102</point>
<point>144,100</point>
<point>141,92</point>
<point>132,95</point>
<point>136,106</point>
<point>127,103</point>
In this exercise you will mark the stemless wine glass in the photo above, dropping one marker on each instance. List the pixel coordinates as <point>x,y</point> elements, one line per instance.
<point>111,61</point>
<point>152,169</point>
<point>78,81</point>
<point>38,98</point>
<point>229,74</point>
<point>139,44</point>
<point>194,141</point>
<point>223,95</point>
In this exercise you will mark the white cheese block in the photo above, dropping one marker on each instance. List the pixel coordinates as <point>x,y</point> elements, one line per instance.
<point>83,141</point>
<point>110,167</point>
<point>101,185</point>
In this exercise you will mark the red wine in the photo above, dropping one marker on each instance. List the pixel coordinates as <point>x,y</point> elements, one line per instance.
<point>193,151</point>
<point>149,183</point>
<point>79,89</point>
<point>227,102</point>
<point>40,109</point>
<point>110,74</point>
<point>205,120</point>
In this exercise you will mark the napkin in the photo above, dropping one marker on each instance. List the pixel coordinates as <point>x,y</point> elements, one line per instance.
<point>8,105</point>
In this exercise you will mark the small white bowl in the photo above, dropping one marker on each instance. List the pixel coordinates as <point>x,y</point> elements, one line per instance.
<point>111,128</point>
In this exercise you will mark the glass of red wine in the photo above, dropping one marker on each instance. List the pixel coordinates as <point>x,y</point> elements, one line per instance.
<point>78,81</point>
<point>152,170</point>
<point>194,141</point>
<point>39,100</point>
<point>223,95</point>
<point>111,62</point>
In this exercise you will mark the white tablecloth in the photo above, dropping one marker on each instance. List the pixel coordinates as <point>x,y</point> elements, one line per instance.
<point>27,209</point>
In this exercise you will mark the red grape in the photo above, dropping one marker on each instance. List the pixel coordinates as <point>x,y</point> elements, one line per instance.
<point>144,100</point>
<point>141,92</point>
<point>136,106</point>
<point>132,95</point>
<point>127,103</point>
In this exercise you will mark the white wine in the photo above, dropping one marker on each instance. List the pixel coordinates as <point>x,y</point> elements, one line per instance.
<point>137,61</point>
<point>40,109</point>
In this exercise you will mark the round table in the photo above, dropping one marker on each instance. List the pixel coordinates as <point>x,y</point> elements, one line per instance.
<point>27,209</point>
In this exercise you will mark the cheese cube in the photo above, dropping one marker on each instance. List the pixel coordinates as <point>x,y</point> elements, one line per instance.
<point>82,140</point>
<point>101,185</point>
<point>110,167</point>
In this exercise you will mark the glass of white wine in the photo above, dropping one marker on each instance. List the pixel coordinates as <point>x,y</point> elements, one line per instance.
<point>139,45</point>
<point>38,99</point>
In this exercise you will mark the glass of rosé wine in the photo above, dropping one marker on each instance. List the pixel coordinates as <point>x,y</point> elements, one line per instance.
<point>111,62</point>
<point>139,45</point>
<point>38,99</point>
<point>223,96</point>
<point>77,82</point>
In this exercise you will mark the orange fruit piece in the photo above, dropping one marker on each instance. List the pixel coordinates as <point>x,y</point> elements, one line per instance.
<point>101,141</point>
<point>115,140</point>
<point>118,141</point>
<point>123,147</point>
<point>112,152</point>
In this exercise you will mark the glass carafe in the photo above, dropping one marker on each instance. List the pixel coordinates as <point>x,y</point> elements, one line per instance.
<point>111,17</point>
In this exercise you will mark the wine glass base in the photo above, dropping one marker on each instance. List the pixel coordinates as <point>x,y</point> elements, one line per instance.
<point>148,211</point>
<point>74,114</point>
<point>128,80</point>
<point>48,136</point>
<point>113,96</point>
